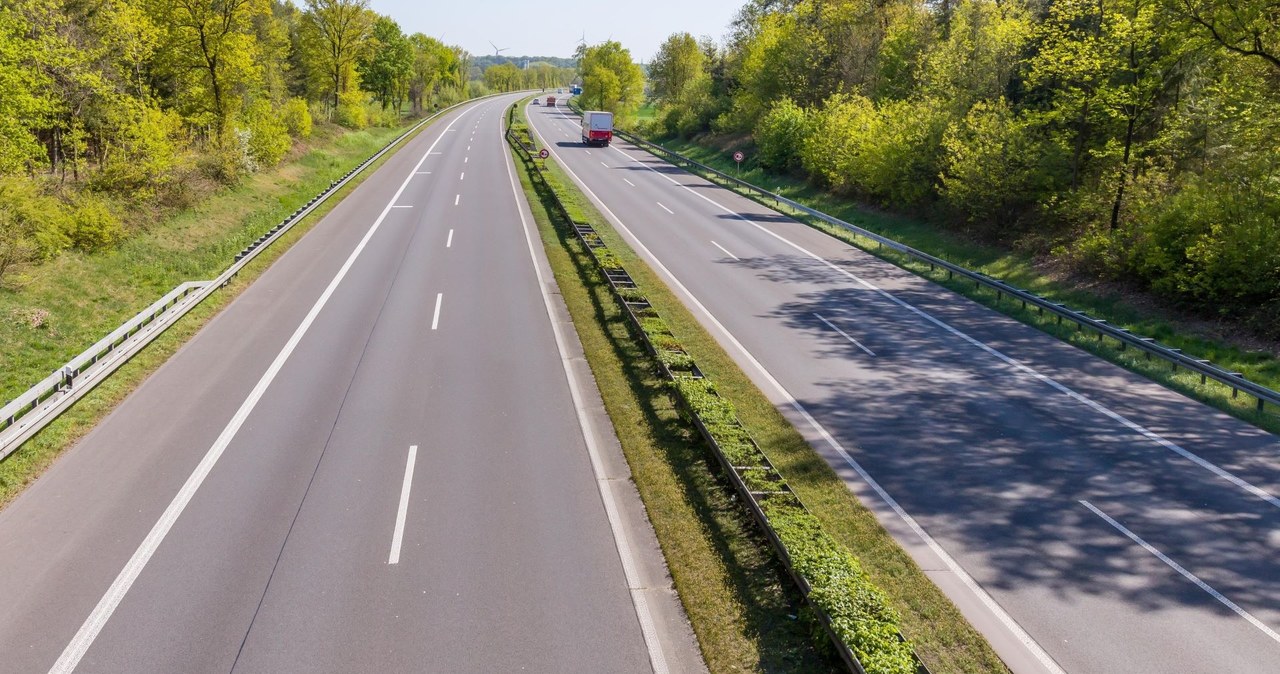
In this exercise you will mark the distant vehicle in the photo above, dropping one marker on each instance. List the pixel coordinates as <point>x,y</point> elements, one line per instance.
<point>575,90</point>
<point>535,102</point>
<point>597,127</point>
<point>551,101</point>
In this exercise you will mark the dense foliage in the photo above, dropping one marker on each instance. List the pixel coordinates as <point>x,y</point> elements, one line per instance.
<point>1136,139</point>
<point>113,109</point>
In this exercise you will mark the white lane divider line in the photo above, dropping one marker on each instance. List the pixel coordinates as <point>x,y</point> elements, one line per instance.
<point>1016,364</point>
<point>421,173</point>
<point>464,159</point>
<point>604,164</point>
<point>628,182</point>
<point>402,206</point>
<point>587,151</point>
<point>1185,573</point>
<point>845,335</point>
<point>402,513</point>
<point>468,148</point>
<point>659,203</point>
<point>97,619</point>
<point>456,199</point>
<point>648,627</point>
<point>462,176</point>
<point>725,251</point>
<point>435,320</point>
<point>449,242</point>
<point>1036,650</point>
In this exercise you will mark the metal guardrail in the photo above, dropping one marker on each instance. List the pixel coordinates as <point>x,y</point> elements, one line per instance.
<point>620,281</point>
<point>1148,345</point>
<point>25,415</point>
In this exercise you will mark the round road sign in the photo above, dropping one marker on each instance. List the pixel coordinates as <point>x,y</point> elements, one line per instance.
<point>543,153</point>
<point>738,156</point>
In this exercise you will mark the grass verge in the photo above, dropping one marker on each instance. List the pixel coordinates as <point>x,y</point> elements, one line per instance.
<point>1021,271</point>
<point>89,295</point>
<point>733,589</point>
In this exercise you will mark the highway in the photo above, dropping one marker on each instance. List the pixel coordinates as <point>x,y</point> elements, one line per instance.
<point>1082,517</point>
<point>385,456</point>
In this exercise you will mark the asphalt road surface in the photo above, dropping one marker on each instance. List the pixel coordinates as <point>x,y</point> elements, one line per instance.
<point>1085,519</point>
<point>372,461</point>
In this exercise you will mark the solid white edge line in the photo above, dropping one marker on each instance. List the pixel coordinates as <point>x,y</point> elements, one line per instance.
<point>1243,484</point>
<point>648,628</point>
<point>449,243</point>
<point>435,320</point>
<point>1185,573</point>
<point>726,251</point>
<point>952,565</point>
<point>844,334</point>
<point>402,513</point>
<point>97,619</point>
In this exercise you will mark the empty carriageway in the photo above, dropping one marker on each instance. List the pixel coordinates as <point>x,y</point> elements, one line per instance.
<point>378,458</point>
<point>1083,518</point>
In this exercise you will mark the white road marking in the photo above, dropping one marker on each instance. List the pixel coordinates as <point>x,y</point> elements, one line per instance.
<point>468,148</point>
<point>449,242</point>
<point>952,565</point>
<point>422,173</point>
<point>1185,573</point>
<point>845,335</point>
<point>435,320</point>
<point>587,151</point>
<point>403,511</point>
<point>648,628</point>
<point>456,199</point>
<point>604,164</point>
<point>1256,491</point>
<point>97,619</point>
<point>462,176</point>
<point>399,206</point>
<point>464,159</point>
<point>665,208</point>
<point>726,252</point>
<point>628,182</point>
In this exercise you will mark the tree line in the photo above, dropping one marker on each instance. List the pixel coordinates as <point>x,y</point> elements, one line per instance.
<point>1137,140</point>
<point>113,110</point>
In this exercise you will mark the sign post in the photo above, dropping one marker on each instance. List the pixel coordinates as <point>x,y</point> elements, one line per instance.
<point>738,157</point>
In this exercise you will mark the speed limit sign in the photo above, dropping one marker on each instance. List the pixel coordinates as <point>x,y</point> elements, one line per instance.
<point>543,153</point>
<point>738,156</point>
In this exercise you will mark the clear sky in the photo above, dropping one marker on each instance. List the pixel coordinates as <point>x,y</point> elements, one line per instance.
<point>554,27</point>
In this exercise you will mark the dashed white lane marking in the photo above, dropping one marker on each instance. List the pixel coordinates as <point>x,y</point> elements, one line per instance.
<point>435,319</point>
<point>464,159</point>
<point>665,208</point>
<point>628,182</point>
<point>1185,573</point>
<point>402,513</point>
<point>97,619</point>
<point>456,199</point>
<point>845,335</point>
<point>449,242</point>
<point>402,206</point>
<point>462,176</point>
<point>604,164</point>
<point>725,251</point>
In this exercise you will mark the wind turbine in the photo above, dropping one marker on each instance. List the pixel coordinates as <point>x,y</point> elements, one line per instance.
<point>496,51</point>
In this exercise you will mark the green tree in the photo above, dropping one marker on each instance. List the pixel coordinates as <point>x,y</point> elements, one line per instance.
<point>679,61</point>
<point>610,80</point>
<point>387,65</point>
<point>336,34</point>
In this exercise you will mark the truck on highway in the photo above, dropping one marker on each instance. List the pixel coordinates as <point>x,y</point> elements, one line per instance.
<point>597,127</point>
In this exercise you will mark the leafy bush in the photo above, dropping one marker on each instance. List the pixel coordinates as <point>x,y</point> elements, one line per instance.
<point>781,135</point>
<point>297,118</point>
<point>351,111</point>
<point>269,138</point>
<point>228,159</point>
<point>93,223</point>
<point>146,155</point>
<point>991,167</point>
<point>33,226</point>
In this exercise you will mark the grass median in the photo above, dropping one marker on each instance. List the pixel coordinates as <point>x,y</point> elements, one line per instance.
<point>733,589</point>
<point>80,298</point>
<point>1022,271</point>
